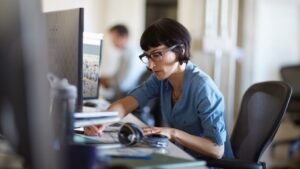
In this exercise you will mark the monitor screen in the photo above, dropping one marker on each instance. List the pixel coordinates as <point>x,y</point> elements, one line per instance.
<point>65,33</point>
<point>92,48</point>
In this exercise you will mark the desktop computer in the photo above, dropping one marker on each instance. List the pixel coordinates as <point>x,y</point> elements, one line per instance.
<point>33,44</point>
<point>24,89</point>
<point>65,48</point>
<point>74,54</point>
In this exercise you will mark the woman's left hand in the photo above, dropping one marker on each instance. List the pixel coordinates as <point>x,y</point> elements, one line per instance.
<point>159,130</point>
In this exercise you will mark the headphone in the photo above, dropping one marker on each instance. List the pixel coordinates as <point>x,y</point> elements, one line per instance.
<point>131,134</point>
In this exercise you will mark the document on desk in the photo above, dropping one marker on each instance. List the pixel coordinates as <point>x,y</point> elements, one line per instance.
<point>106,140</point>
<point>95,118</point>
<point>129,152</point>
<point>159,161</point>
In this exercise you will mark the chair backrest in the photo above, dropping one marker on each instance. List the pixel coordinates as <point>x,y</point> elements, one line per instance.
<point>291,74</point>
<point>261,111</point>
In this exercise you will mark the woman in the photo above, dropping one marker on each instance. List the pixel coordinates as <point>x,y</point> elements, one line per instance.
<point>190,101</point>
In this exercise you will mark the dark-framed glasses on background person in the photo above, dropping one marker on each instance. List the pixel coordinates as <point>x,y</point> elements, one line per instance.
<point>155,56</point>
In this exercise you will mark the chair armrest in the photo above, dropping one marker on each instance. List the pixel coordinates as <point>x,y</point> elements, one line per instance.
<point>235,164</point>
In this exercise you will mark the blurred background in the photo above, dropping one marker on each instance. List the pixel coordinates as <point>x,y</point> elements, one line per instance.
<point>237,42</point>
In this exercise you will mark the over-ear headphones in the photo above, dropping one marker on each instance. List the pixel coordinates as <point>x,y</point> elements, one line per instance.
<point>130,134</point>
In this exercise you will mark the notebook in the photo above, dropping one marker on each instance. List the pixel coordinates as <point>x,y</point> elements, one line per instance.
<point>106,141</point>
<point>95,118</point>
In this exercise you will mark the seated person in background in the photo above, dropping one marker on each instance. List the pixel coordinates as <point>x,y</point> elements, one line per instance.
<point>130,68</point>
<point>190,102</point>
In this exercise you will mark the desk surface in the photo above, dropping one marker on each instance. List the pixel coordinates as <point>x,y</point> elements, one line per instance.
<point>171,150</point>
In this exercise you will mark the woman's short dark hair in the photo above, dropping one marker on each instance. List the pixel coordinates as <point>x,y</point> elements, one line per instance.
<point>168,32</point>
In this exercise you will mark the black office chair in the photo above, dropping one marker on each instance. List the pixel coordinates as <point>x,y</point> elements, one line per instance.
<point>291,75</point>
<point>261,111</point>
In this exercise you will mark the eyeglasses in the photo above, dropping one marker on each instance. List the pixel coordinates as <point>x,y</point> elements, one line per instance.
<point>155,56</point>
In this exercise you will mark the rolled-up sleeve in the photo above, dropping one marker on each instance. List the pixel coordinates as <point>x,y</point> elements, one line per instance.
<point>146,91</point>
<point>210,107</point>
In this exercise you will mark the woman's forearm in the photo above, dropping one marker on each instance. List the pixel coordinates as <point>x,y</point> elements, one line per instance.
<point>124,106</point>
<point>199,144</point>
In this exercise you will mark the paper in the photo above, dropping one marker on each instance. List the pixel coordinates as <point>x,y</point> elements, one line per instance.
<point>129,152</point>
<point>82,122</point>
<point>95,114</point>
<point>105,138</point>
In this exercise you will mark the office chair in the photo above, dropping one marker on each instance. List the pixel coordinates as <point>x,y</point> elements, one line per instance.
<point>261,111</point>
<point>291,74</point>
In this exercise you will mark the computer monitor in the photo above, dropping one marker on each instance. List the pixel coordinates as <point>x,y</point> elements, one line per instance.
<point>24,94</point>
<point>13,105</point>
<point>92,53</point>
<point>65,33</point>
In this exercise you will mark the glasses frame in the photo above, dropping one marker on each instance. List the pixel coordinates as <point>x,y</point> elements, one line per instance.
<point>155,58</point>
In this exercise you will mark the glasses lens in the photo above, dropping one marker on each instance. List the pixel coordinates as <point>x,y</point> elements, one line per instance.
<point>144,59</point>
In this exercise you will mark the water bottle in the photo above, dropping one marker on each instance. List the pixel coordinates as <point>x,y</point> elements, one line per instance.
<point>62,107</point>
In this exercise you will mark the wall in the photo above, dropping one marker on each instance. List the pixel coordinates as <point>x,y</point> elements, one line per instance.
<point>93,11</point>
<point>278,38</point>
<point>270,38</point>
<point>187,12</point>
<point>53,5</point>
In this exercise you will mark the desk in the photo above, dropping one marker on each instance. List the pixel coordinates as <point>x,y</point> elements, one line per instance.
<point>171,150</point>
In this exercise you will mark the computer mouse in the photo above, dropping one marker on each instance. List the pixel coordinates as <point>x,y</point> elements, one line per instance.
<point>156,140</point>
<point>90,104</point>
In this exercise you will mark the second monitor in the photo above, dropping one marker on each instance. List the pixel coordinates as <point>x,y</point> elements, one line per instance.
<point>92,48</point>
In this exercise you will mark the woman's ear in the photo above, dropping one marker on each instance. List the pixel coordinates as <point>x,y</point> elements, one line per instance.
<point>182,51</point>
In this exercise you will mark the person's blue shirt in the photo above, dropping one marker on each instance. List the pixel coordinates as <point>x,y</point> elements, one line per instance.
<point>199,111</point>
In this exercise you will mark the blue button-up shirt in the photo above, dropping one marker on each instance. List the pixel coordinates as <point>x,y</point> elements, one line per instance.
<point>199,111</point>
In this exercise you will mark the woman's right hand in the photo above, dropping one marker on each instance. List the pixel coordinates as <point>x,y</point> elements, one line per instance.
<point>96,130</point>
<point>123,106</point>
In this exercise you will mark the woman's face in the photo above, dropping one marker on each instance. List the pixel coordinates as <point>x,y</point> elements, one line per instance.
<point>164,66</point>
